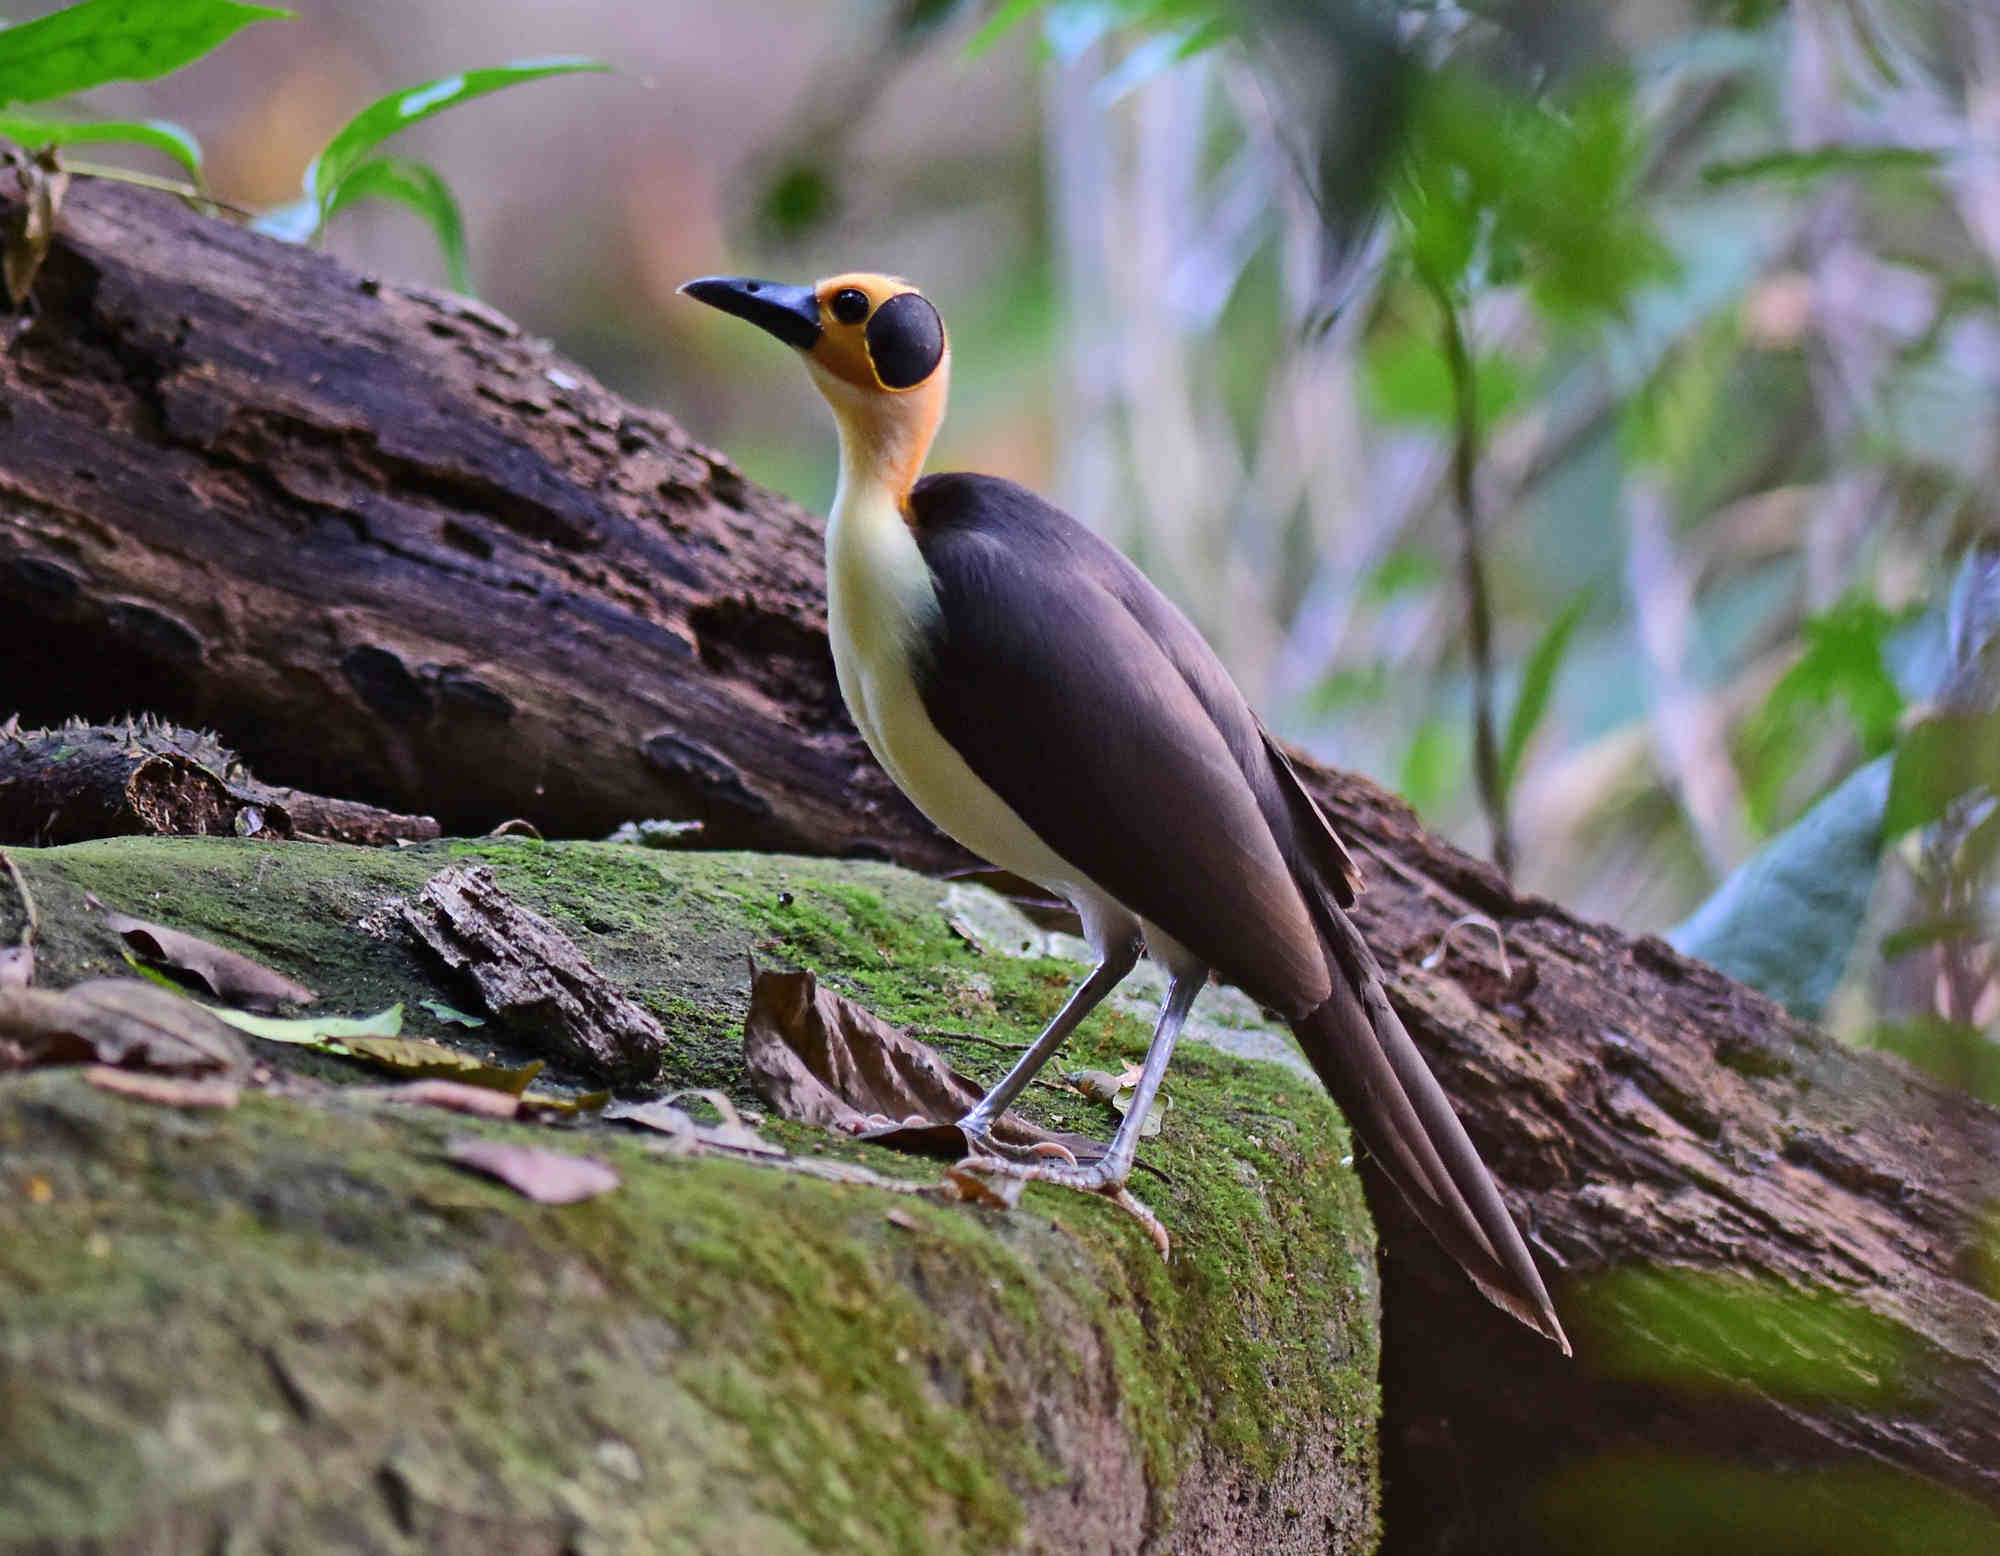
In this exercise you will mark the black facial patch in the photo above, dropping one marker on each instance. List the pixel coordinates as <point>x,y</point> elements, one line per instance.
<point>905,341</point>
<point>849,305</point>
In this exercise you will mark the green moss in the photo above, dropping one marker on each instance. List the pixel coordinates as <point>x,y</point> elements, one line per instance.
<point>411,1349</point>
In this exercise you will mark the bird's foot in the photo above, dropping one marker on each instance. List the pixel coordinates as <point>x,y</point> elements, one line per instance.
<point>1097,1178</point>
<point>979,1143</point>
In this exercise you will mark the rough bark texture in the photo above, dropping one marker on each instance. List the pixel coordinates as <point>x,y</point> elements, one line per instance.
<point>530,977</point>
<point>82,781</point>
<point>387,545</point>
<point>390,547</point>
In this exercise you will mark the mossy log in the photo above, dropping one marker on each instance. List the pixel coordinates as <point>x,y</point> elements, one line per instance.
<point>385,544</point>
<point>294,1326</point>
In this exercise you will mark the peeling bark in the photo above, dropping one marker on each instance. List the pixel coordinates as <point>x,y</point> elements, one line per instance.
<point>392,548</point>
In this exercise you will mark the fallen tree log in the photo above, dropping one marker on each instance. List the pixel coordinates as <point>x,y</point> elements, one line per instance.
<point>388,546</point>
<point>277,1318</point>
<point>80,781</point>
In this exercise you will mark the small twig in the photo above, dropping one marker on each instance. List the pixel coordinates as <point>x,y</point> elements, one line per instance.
<point>942,1034</point>
<point>17,963</point>
<point>517,827</point>
<point>172,186</point>
<point>1479,611</point>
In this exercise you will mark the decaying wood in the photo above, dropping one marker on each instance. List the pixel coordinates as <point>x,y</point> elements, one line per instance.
<point>80,781</point>
<point>530,977</point>
<point>392,548</point>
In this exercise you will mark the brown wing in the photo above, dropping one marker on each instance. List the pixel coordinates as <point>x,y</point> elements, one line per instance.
<point>1067,706</point>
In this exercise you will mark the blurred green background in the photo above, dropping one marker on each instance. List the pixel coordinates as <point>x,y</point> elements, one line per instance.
<point>1691,308</point>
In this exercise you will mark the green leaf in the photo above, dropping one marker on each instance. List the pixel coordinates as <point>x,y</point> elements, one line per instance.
<point>34,132</point>
<point>1845,661</point>
<point>1786,921</point>
<point>1432,765</point>
<point>325,1032</point>
<point>1407,379</point>
<point>1938,760</point>
<point>1938,931</point>
<point>1406,570</point>
<point>1003,21</point>
<point>1954,1052</point>
<point>444,1012</point>
<point>1798,166</point>
<point>114,40</point>
<point>419,187</point>
<point>399,110</point>
<point>1538,679</point>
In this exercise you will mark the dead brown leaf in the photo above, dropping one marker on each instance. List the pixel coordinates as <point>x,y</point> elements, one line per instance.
<point>689,1135</point>
<point>119,1021</point>
<point>457,1096</point>
<point>547,1177</point>
<point>168,1090</point>
<point>820,1059</point>
<point>43,185</point>
<point>231,978</point>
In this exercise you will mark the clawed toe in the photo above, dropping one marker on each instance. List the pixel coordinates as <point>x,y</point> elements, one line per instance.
<point>1094,1179</point>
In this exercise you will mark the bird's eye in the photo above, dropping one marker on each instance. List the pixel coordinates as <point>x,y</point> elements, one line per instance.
<point>849,305</point>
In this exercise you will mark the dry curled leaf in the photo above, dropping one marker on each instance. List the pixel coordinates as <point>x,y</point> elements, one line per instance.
<point>119,1021</point>
<point>168,1090</point>
<point>820,1059</point>
<point>232,978</point>
<point>43,185</point>
<point>688,1134</point>
<point>547,1177</point>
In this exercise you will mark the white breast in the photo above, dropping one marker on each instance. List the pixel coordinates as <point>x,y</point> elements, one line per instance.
<point>880,598</point>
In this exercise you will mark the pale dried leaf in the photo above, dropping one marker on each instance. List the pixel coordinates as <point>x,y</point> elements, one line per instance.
<point>547,1177</point>
<point>230,977</point>
<point>325,1032</point>
<point>119,1021</point>
<point>168,1090</point>
<point>690,1135</point>
<point>17,966</point>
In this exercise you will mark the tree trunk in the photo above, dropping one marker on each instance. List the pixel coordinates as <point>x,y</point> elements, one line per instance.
<point>389,547</point>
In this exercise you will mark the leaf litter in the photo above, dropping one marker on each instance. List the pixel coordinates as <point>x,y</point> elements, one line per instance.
<point>121,1022</point>
<point>228,976</point>
<point>820,1059</point>
<point>546,1177</point>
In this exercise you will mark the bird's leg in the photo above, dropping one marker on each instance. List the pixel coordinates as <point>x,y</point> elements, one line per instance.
<point>1107,1175</point>
<point>1116,961</point>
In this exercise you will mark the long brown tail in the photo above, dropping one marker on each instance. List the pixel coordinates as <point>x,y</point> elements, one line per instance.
<point>1393,1102</point>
